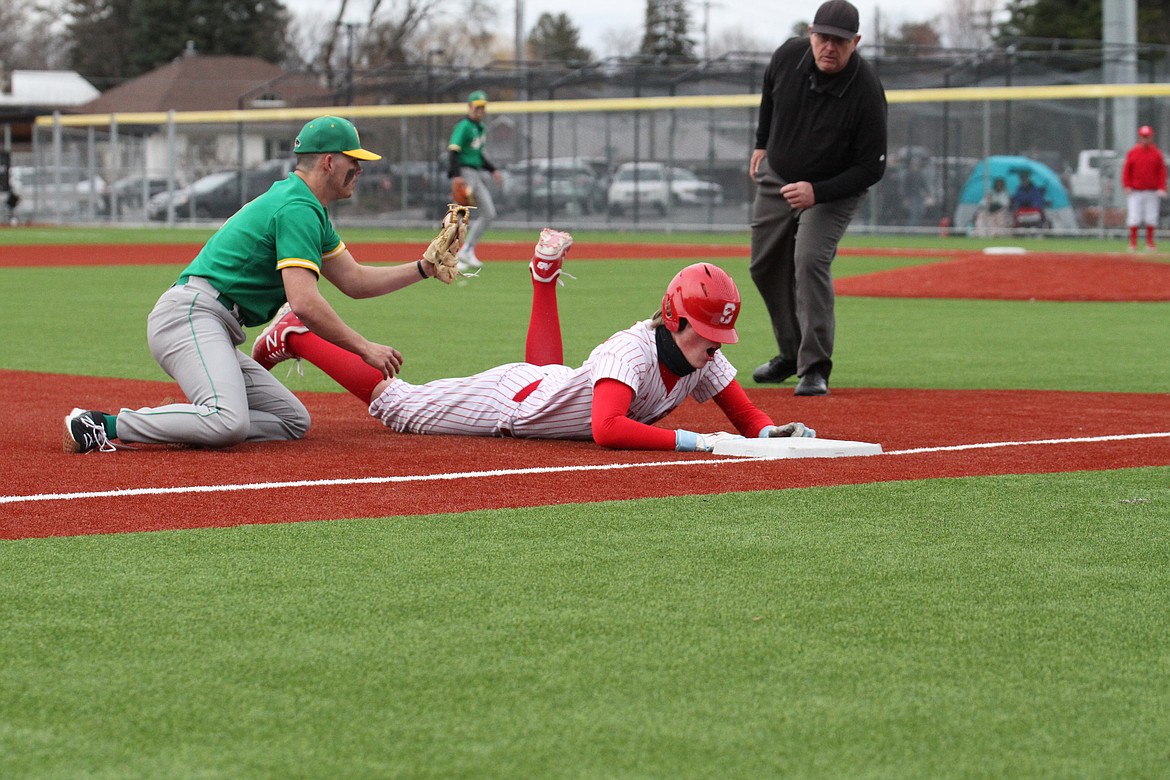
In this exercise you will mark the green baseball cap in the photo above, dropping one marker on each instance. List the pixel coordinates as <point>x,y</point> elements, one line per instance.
<point>331,134</point>
<point>477,98</point>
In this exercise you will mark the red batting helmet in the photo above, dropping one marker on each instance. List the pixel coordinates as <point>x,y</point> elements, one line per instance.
<point>706,297</point>
<point>1145,131</point>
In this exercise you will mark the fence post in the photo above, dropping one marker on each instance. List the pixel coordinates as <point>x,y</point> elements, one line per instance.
<point>57,162</point>
<point>171,167</point>
<point>115,169</point>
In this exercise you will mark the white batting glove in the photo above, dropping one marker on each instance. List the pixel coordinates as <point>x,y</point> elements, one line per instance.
<point>689,441</point>
<point>795,430</point>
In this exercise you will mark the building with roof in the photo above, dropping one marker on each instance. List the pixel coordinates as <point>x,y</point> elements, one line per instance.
<point>27,94</point>
<point>197,82</point>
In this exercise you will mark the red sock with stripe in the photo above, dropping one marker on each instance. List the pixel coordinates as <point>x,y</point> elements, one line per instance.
<point>544,346</point>
<point>344,367</point>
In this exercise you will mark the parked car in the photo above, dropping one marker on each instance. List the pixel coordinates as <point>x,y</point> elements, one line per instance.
<point>643,185</point>
<point>418,183</point>
<point>217,195</point>
<point>688,189</point>
<point>1093,178</point>
<point>46,191</point>
<point>127,193</point>
<point>517,183</point>
<point>564,184</point>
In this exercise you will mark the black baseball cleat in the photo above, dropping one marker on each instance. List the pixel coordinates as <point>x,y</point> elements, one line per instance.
<point>775,370</point>
<point>812,383</point>
<point>85,431</point>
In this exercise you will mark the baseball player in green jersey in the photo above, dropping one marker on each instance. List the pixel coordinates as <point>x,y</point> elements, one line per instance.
<point>468,166</point>
<point>273,250</point>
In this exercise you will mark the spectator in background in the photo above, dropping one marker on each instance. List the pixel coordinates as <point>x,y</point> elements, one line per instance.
<point>995,213</point>
<point>12,201</point>
<point>820,144</point>
<point>467,161</point>
<point>915,191</point>
<point>1028,195</point>
<point>1028,203</point>
<point>1143,175</point>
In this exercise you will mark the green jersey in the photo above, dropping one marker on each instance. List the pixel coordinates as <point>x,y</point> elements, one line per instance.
<point>286,227</point>
<point>467,141</point>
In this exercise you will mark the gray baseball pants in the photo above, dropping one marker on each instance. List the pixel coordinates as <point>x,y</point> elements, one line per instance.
<point>480,182</point>
<point>232,398</point>
<point>792,257</point>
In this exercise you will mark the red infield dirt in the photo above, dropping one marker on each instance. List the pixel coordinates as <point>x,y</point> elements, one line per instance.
<point>1034,276</point>
<point>350,466</point>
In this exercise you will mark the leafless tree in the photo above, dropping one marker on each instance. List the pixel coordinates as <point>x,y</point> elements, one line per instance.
<point>620,41</point>
<point>967,23</point>
<point>395,31</point>
<point>29,35</point>
<point>739,39</point>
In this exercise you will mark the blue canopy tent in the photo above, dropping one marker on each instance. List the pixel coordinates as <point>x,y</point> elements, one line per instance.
<point>1058,208</point>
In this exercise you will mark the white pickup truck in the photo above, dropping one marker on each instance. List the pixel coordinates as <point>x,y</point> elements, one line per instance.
<point>1096,177</point>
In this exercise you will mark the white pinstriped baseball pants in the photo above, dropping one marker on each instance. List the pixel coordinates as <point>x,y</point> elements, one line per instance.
<point>479,405</point>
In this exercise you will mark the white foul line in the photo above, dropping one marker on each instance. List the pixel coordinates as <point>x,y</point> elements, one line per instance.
<point>159,491</point>
<point>355,480</point>
<point>996,444</point>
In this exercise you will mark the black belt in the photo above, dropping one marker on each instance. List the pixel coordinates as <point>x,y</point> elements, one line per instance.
<point>223,300</point>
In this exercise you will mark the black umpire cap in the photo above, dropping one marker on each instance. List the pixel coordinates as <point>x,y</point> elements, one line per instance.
<point>837,18</point>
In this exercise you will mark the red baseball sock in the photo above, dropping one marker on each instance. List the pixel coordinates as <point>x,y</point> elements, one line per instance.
<point>344,367</point>
<point>544,346</point>
<point>1149,235</point>
<point>1133,235</point>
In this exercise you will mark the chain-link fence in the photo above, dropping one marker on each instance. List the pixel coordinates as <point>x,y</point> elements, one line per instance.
<point>618,145</point>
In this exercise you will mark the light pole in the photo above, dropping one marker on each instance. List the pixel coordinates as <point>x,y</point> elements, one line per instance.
<point>350,27</point>
<point>436,178</point>
<point>432,52</point>
<point>519,33</point>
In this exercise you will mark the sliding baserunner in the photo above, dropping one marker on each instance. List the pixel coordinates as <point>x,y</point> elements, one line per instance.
<point>628,383</point>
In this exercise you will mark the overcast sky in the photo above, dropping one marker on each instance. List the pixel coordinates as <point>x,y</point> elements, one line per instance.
<point>601,21</point>
<point>769,20</point>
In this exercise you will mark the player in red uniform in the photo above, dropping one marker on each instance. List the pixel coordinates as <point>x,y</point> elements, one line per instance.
<point>628,383</point>
<point>1144,178</point>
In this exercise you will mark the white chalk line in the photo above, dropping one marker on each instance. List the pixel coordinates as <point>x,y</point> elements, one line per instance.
<point>161,491</point>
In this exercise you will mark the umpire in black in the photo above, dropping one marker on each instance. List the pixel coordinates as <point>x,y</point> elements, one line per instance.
<point>820,144</point>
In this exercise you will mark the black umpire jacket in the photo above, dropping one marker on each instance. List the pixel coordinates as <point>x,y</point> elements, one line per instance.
<point>826,130</point>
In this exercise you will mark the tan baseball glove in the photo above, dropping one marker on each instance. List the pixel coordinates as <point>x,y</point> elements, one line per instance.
<point>443,250</point>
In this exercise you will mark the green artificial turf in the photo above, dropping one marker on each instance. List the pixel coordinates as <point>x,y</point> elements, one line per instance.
<point>457,330</point>
<point>184,234</point>
<point>998,627</point>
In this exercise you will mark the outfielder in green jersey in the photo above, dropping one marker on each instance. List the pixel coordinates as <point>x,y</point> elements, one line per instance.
<point>467,165</point>
<point>273,250</point>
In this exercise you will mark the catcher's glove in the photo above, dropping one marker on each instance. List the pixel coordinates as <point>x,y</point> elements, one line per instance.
<point>462,193</point>
<point>443,250</point>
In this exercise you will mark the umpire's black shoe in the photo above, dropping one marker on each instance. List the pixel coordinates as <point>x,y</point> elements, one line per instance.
<point>812,383</point>
<point>775,370</point>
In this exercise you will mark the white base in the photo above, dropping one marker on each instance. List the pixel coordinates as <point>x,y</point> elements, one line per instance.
<point>1004,250</point>
<point>796,448</point>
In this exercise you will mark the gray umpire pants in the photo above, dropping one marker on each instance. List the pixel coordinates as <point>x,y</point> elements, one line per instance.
<point>792,257</point>
<point>480,182</point>
<point>232,398</point>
